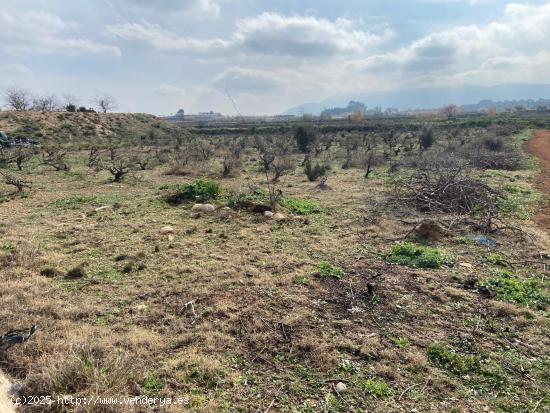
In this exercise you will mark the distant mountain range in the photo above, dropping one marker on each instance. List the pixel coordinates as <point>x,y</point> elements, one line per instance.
<point>500,97</point>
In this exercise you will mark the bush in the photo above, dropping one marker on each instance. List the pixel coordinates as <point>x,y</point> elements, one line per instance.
<point>314,172</point>
<point>300,206</point>
<point>324,269</point>
<point>304,137</point>
<point>525,293</point>
<point>200,190</point>
<point>419,256</point>
<point>426,138</point>
<point>493,144</point>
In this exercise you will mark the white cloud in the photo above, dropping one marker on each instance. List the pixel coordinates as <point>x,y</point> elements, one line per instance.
<point>31,32</point>
<point>170,91</point>
<point>463,52</point>
<point>244,80</point>
<point>267,34</point>
<point>155,36</point>
<point>304,36</point>
<point>206,8</point>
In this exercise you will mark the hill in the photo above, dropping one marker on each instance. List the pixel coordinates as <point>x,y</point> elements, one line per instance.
<point>430,97</point>
<point>99,128</point>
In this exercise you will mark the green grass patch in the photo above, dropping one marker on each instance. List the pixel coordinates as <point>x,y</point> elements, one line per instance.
<point>445,357</point>
<point>401,342</point>
<point>419,256</point>
<point>200,190</point>
<point>76,202</point>
<point>300,206</point>
<point>519,202</point>
<point>152,385</point>
<point>257,196</point>
<point>496,259</point>
<point>378,389</point>
<point>324,269</point>
<point>524,293</point>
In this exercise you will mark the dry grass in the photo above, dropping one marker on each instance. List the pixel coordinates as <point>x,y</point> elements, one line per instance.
<point>264,327</point>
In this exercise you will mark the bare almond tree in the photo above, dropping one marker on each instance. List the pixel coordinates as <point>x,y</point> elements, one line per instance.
<point>105,103</point>
<point>450,111</point>
<point>17,98</point>
<point>47,103</point>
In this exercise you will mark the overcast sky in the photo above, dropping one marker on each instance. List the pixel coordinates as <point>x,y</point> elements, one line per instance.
<point>160,55</point>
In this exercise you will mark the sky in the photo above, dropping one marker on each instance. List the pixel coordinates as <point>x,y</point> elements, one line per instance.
<point>157,56</point>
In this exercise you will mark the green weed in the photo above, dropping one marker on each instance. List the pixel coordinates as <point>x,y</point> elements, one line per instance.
<point>447,358</point>
<point>200,190</point>
<point>376,388</point>
<point>324,269</point>
<point>300,206</point>
<point>419,256</point>
<point>525,293</point>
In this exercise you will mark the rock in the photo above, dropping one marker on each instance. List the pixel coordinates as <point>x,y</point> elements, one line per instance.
<point>167,230</point>
<point>466,265</point>
<point>278,216</point>
<point>268,214</point>
<point>204,208</point>
<point>340,387</point>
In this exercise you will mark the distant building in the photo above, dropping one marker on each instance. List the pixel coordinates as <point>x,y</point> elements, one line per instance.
<point>201,117</point>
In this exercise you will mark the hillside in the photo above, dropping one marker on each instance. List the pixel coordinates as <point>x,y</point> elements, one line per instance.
<point>97,128</point>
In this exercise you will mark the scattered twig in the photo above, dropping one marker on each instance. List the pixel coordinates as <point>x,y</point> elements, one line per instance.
<point>405,391</point>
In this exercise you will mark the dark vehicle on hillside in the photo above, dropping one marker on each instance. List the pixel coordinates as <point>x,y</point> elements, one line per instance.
<point>24,141</point>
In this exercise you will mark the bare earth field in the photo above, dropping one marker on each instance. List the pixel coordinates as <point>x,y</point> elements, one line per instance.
<point>234,311</point>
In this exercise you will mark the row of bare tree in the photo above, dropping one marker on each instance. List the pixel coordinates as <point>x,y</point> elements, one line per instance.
<point>20,99</point>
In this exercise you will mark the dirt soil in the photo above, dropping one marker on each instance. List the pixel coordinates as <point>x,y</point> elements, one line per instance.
<point>539,146</point>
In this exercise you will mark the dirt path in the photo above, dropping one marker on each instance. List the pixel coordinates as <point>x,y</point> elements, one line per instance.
<point>540,147</point>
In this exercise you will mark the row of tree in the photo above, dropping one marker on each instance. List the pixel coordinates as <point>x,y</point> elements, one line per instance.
<point>20,99</point>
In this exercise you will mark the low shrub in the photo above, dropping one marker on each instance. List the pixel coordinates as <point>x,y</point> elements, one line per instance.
<point>493,144</point>
<point>200,190</point>
<point>315,171</point>
<point>419,256</point>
